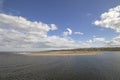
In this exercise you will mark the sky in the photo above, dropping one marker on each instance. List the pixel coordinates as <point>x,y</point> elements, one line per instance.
<point>59,24</point>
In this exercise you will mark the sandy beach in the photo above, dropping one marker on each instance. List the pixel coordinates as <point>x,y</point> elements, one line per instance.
<point>63,53</point>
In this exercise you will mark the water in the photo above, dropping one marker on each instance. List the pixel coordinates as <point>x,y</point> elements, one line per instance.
<point>90,67</point>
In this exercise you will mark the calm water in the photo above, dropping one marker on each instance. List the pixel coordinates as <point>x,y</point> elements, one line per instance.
<point>93,67</point>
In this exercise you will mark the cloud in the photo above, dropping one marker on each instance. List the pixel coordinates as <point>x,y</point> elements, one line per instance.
<point>110,19</point>
<point>114,42</point>
<point>96,42</point>
<point>68,32</point>
<point>18,32</point>
<point>61,42</point>
<point>99,39</point>
<point>96,39</point>
<point>53,27</point>
<point>78,33</point>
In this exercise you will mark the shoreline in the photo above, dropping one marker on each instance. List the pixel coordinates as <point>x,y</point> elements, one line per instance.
<point>64,53</point>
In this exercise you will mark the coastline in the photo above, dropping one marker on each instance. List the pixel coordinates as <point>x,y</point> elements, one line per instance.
<point>64,53</point>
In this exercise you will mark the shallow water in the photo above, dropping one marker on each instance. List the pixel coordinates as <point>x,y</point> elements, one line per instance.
<point>104,66</point>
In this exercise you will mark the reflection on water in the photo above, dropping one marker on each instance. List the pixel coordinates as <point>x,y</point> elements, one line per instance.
<point>93,67</point>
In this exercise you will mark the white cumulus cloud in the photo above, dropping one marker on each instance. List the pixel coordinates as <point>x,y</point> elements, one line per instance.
<point>53,27</point>
<point>114,42</point>
<point>99,39</point>
<point>79,33</point>
<point>110,19</point>
<point>18,32</point>
<point>96,39</point>
<point>68,32</point>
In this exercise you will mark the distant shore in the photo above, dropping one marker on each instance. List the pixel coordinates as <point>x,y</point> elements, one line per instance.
<point>64,53</point>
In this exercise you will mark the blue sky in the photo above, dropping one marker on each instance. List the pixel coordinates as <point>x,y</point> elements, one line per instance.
<point>78,16</point>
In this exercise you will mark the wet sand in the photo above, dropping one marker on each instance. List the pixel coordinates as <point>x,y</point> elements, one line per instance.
<point>64,53</point>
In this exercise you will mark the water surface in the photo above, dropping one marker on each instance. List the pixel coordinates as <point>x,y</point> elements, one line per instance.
<point>104,66</point>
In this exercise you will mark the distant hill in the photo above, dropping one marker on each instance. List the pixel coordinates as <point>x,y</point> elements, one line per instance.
<point>78,49</point>
<point>99,49</point>
<point>93,49</point>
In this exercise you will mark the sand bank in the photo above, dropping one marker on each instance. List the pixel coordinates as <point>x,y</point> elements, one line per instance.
<point>64,53</point>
